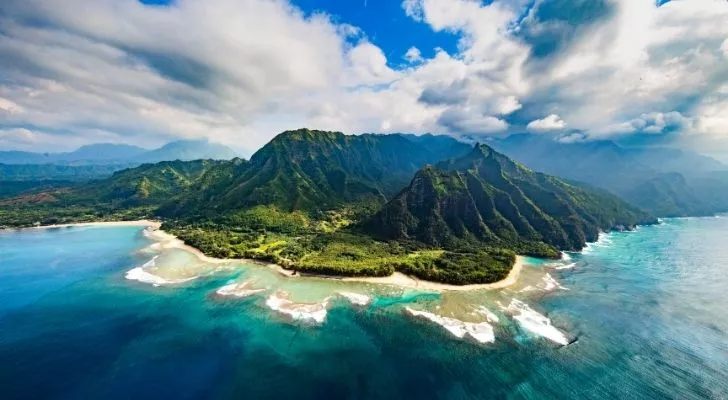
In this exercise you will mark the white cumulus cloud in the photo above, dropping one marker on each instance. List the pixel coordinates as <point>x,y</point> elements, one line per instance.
<point>549,123</point>
<point>413,55</point>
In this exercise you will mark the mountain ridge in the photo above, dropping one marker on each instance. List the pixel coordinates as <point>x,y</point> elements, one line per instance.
<point>484,197</point>
<point>310,169</point>
<point>112,153</point>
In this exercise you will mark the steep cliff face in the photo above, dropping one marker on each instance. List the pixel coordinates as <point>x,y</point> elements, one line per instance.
<point>484,197</point>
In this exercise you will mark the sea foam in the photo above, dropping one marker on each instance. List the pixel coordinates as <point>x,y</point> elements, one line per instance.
<point>238,289</point>
<point>142,275</point>
<point>478,331</point>
<point>549,283</point>
<point>356,299</point>
<point>534,322</point>
<point>311,313</point>
<point>566,266</point>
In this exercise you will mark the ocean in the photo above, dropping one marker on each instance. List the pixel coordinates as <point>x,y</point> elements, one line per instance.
<point>637,315</point>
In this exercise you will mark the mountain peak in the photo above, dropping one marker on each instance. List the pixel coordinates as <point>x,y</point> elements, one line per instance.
<point>305,134</point>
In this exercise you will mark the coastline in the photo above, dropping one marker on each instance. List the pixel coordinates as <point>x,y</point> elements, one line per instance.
<point>166,240</point>
<point>141,222</point>
<point>410,282</point>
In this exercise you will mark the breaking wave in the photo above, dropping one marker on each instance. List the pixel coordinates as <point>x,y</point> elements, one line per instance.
<point>534,322</point>
<point>311,313</point>
<point>478,331</point>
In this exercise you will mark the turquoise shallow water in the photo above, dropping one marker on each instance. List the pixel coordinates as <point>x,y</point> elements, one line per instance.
<point>648,311</point>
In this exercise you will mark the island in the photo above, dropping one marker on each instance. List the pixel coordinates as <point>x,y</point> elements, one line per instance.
<point>327,203</point>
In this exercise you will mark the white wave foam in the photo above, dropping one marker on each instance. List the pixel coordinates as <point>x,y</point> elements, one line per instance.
<point>481,332</point>
<point>549,283</point>
<point>565,256</point>
<point>239,290</point>
<point>142,275</point>
<point>311,313</point>
<point>534,322</point>
<point>528,288</point>
<point>567,266</point>
<point>139,274</point>
<point>603,240</point>
<point>356,298</point>
<point>489,315</point>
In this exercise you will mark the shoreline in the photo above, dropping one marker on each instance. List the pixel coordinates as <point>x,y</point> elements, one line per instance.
<point>166,240</point>
<point>410,282</point>
<point>141,222</point>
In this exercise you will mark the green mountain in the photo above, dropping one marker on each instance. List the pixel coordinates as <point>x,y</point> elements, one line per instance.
<point>312,170</point>
<point>146,184</point>
<point>127,194</point>
<point>485,197</point>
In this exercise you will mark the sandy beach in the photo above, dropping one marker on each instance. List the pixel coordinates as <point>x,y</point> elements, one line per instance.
<point>400,279</point>
<point>168,241</point>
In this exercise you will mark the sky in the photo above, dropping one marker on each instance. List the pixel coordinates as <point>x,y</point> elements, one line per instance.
<point>238,72</point>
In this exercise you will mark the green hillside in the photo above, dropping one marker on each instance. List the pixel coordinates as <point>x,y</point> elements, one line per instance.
<point>127,194</point>
<point>312,170</point>
<point>487,198</point>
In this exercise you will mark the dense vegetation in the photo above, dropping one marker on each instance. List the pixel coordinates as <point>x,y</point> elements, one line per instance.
<point>294,241</point>
<point>326,203</point>
<point>129,194</point>
<point>486,198</point>
<point>314,170</point>
<point>15,188</point>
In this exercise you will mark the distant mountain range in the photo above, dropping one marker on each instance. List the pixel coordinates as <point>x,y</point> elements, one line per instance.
<point>667,182</point>
<point>101,160</point>
<point>110,154</point>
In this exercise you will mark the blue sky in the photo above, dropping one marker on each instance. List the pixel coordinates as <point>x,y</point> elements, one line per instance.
<point>386,25</point>
<point>240,71</point>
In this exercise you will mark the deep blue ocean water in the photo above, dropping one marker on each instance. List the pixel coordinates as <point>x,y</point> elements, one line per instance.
<point>649,310</point>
